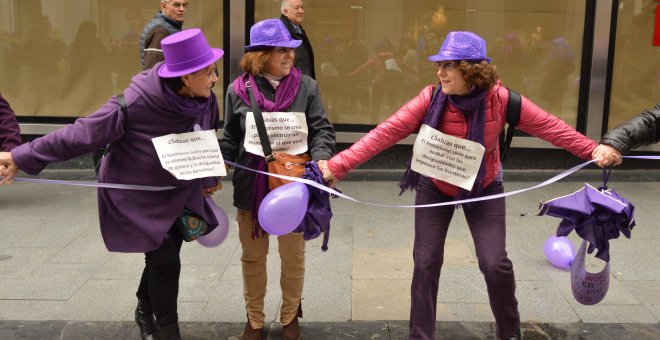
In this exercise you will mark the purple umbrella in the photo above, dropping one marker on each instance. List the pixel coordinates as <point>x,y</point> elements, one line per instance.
<point>597,215</point>
<point>319,213</point>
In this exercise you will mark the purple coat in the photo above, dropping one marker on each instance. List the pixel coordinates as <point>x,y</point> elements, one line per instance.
<point>10,134</point>
<point>131,220</point>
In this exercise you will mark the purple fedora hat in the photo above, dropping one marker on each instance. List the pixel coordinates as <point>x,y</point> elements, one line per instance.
<point>271,33</point>
<point>186,52</point>
<point>461,46</point>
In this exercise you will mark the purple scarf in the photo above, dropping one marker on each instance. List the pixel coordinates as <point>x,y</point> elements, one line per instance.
<point>191,107</point>
<point>473,107</point>
<point>285,93</point>
<point>259,191</point>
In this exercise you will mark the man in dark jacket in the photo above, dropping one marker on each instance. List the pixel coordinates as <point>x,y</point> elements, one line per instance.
<point>10,134</point>
<point>293,13</point>
<point>639,131</point>
<point>166,22</point>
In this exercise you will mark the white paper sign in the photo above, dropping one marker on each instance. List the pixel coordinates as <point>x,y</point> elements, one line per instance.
<point>287,132</point>
<point>191,155</point>
<point>391,64</point>
<point>447,158</point>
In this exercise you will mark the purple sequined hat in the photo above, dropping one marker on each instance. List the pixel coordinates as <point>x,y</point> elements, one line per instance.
<point>186,52</point>
<point>461,46</point>
<point>271,33</point>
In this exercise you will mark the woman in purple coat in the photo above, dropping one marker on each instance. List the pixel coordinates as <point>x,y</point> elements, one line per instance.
<point>10,133</point>
<point>172,97</point>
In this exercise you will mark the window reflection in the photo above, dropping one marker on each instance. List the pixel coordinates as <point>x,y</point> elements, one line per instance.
<point>370,55</point>
<point>67,58</point>
<point>636,77</point>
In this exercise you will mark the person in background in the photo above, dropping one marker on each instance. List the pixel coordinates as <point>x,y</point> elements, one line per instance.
<point>177,95</point>
<point>277,86</point>
<point>168,20</point>
<point>293,13</point>
<point>641,130</point>
<point>385,71</point>
<point>470,104</point>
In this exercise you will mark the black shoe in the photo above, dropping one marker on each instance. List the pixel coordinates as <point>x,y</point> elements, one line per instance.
<point>516,336</point>
<point>170,332</point>
<point>144,318</point>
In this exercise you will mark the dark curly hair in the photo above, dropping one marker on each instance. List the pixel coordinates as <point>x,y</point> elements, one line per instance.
<point>482,74</point>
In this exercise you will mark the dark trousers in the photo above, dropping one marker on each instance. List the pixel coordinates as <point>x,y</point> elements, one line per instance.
<point>487,226</point>
<point>159,286</point>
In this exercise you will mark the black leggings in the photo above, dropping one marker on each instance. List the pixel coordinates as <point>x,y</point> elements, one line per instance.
<point>159,286</point>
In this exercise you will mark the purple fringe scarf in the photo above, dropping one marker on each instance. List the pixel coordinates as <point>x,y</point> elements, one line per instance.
<point>285,93</point>
<point>473,107</point>
<point>259,191</point>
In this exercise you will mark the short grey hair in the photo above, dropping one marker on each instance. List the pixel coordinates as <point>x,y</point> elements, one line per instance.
<point>285,4</point>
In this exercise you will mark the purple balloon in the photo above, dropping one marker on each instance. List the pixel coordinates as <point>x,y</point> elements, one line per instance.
<point>219,234</point>
<point>559,251</point>
<point>284,208</point>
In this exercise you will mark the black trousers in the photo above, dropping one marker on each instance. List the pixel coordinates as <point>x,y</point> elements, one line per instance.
<point>486,220</point>
<point>159,286</point>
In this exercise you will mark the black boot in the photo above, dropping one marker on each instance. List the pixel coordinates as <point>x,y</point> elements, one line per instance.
<point>144,318</point>
<point>170,332</point>
<point>516,336</point>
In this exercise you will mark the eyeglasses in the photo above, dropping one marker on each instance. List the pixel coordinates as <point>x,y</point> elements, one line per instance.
<point>183,5</point>
<point>447,65</point>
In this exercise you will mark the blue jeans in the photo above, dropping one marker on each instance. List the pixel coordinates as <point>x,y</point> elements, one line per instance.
<point>486,220</point>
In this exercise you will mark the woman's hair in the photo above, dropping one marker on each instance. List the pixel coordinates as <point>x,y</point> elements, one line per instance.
<point>482,75</point>
<point>253,62</point>
<point>175,83</point>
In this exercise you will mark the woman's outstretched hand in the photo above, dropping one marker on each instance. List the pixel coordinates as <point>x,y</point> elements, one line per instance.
<point>606,155</point>
<point>328,178</point>
<point>8,168</point>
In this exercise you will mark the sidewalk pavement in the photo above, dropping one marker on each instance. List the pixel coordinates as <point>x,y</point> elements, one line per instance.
<point>57,280</point>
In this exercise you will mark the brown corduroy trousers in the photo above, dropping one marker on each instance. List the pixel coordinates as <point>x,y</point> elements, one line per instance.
<point>292,273</point>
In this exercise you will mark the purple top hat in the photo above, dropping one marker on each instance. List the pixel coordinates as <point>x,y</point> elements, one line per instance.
<point>270,33</point>
<point>186,52</point>
<point>461,46</point>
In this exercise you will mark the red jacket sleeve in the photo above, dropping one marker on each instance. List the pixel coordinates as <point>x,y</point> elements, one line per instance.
<point>539,123</point>
<point>400,125</point>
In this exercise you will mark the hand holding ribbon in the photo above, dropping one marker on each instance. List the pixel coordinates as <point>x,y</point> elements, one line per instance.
<point>328,177</point>
<point>8,169</point>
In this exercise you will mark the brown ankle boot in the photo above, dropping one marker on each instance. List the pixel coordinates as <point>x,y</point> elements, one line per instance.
<point>292,330</point>
<point>250,333</point>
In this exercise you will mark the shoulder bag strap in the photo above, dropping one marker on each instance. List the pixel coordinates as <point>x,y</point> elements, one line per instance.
<point>124,111</point>
<point>261,126</point>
